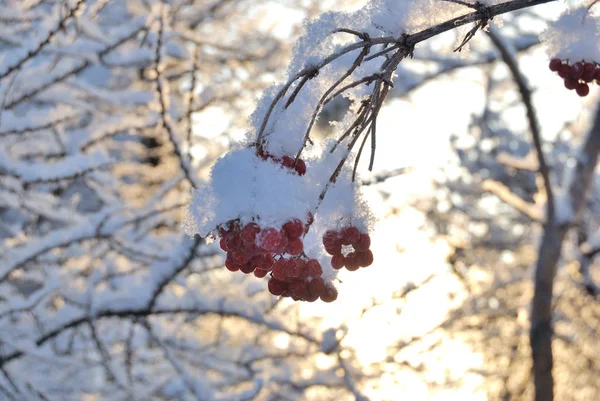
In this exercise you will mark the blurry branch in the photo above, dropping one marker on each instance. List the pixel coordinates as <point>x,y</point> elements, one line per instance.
<point>527,163</point>
<point>74,71</point>
<point>588,253</point>
<point>386,175</point>
<point>166,280</point>
<point>118,311</point>
<point>450,65</point>
<point>185,377</point>
<point>554,232</point>
<point>505,194</point>
<point>51,34</point>
<point>349,380</point>
<point>163,99</point>
<point>573,199</point>
<point>534,127</point>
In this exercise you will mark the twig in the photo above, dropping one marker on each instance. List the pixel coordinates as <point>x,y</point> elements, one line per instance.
<point>33,53</point>
<point>162,102</point>
<point>534,126</point>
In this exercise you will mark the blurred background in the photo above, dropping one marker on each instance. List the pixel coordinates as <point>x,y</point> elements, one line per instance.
<point>110,110</point>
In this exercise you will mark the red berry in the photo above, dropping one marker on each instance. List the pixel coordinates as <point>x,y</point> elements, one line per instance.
<point>223,244</point>
<point>262,261</point>
<point>577,71</point>
<point>365,258</point>
<point>299,289</point>
<point>250,249</point>
<point>249,232</point>
<point>597,73</point>
<point>350,235</point>
<point>363,243</point>
<point>588,76</point>
<point>300,167</point>
<point>293,268</point>
<point>313,268</point>
<point>555,64</point>
<point>287,161</point>
<point>260,273</point>
<point>239,257</point>
<point>293,228</point>
<point>295,247</point>
<point>247,268</point>
<point>332,242</point>
<point>277,287</point>
<point>565,71</point>
<point>302,268</point>
<point>317,286</point>
<point>232,267</point>
<point>233,241</point>
<point>311,297</point>
<point>283,244</point>
<point>329,295</point>
<point>571,83</point>
<point>268,261</point>
<point>279,270</point>
<point>589,67</point>
<point>351,261</point>
<point>269,239</point>
<point>583,89</point>
<point>338,261</point>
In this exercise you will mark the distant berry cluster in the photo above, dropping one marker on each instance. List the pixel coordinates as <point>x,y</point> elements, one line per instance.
<point>286,161</point>
<point>576,76</point>
<point>361,256</point>
<point>278,252</point>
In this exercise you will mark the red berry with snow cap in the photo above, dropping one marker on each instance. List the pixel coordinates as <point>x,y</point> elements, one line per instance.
<point>248,233</point>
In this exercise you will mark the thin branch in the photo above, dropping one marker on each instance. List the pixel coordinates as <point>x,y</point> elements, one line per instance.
<point>534,125</point>
<point>34,52</point>
<point>504,193</point>
<point>162,101</point>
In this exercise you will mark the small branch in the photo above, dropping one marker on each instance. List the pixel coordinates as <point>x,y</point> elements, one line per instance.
<point>534,126</point>
<point>33,53</point>
<point>162,101</point>
<point>585,260</point>
<point>504,193</point>
<point>527,163</point>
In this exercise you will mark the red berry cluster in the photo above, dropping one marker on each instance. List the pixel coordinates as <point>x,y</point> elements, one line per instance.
<point>576,76</point>
<point>252,249</point>
<point>286,161</point>
<point>361,242</point>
